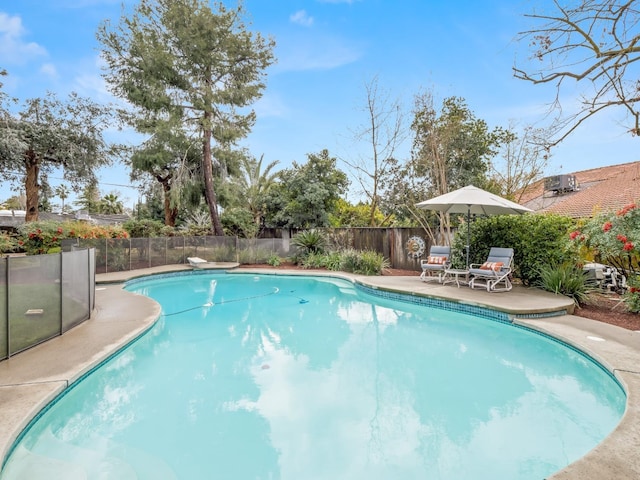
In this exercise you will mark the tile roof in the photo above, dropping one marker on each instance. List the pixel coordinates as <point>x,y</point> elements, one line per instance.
<point>603,189</point>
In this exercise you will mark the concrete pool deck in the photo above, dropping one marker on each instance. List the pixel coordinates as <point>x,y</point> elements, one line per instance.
<point>31,379</point>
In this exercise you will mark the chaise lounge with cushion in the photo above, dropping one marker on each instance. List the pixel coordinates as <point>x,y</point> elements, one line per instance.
<point>495,272</point>
<point>436,263</point>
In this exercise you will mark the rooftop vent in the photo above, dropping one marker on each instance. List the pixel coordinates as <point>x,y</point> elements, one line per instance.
<point>560,184</point>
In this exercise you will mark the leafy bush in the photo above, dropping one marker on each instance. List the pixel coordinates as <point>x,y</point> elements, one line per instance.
<point>239,222</point>
<point>632,295</point>
<point>350,260</point>
<point>311,241</point>
<point>372,263</point>
<point>537,240</point>
<point>7,244</point>
<point>333,261</point>
<point>274,260</point>
<point>315,260</point>
<point>363,262</point>
<point>37,238</point>
<point>613,239</point>
<point>145,228</point>
<point>567,279</point>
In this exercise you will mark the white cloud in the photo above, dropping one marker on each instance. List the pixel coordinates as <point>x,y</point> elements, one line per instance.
<point>317,53</point>
<point>13,49</point>
<point>301,18</point>
<point>49,70</point>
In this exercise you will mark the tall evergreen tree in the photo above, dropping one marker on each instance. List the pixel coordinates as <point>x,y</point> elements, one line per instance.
<point>180,59</point>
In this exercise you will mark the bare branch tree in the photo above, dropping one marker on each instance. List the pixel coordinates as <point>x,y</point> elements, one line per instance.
<point>520,162</point>
<point>594,42</point>
<point>383,132</point>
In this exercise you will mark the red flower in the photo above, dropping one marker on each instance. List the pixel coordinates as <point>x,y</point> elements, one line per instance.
<point>626,209</point>
<point>59,229</point>
<point>634,289</point>
<point>20,242</point>
<point>38,231</point>
<point>31,235</point>
<point>628,247</point>
<point>573,235</point>
<point>54,239</point>
<point>622,238</point>
<point>607,226</point>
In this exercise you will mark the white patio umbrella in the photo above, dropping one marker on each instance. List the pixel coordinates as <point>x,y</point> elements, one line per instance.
<point>472,200</point>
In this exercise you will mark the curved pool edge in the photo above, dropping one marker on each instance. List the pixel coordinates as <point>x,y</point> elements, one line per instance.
<point>615,457</point>
<point>32,380</point>
<point>618,350</point>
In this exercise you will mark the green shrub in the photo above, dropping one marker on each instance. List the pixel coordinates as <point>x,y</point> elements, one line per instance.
<point>632,295</point>
<point>363,262</point>
<point>537,240</point>
<point>566,279</point>
<point>314,260</point>
<point>311,241</point>
<point>274,260</point>
<point>333,261</point>
<point>145,228</point>
<point>372,263</point>
<point>350,260</point>
<point>239,222</point>
<point>7,244</point>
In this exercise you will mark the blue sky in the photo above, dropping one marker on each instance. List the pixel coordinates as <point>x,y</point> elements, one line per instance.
<point>327,50</point>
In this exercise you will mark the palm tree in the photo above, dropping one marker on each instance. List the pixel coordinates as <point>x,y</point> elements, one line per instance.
<point>111,204</point>
<point>63,192</point>
<point>254,183</point>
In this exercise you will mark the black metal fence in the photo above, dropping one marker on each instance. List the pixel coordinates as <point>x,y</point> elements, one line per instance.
<point>114,255</point>
<point>121,254</point>
<point>43,296</point>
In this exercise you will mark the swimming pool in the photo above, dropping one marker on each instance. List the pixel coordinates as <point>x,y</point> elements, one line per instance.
<point>281,377</point>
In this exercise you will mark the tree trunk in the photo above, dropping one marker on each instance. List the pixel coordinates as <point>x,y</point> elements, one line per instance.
<point>170,213</point>
<point>207,167</point>
<point>31,186</point>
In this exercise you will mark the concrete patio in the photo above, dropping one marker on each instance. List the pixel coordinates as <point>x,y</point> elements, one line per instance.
<point>31,379</point>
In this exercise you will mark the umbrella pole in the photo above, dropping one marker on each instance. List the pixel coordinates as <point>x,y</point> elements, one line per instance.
<point>468,232</point>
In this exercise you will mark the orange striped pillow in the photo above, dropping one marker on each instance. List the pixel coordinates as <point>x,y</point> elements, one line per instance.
<point>495,266</point>
<point>435,260</point>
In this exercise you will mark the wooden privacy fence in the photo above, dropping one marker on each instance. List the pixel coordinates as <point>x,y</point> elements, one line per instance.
<point>393,243</point>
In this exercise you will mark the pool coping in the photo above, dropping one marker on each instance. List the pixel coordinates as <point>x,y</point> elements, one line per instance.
<point>31,379</point>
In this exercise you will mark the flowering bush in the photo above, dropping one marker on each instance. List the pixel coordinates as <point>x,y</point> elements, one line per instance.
<point>37,238</point>
<point>613,239</point>
<point>632,295</point>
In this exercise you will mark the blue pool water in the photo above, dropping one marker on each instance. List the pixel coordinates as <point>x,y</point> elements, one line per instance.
<point>274,377</point>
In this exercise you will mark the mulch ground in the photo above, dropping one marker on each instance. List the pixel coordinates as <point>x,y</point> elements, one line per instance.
<point>603,307</point>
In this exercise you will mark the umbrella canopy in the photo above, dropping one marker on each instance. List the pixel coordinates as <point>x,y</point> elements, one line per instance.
<point>472,200</point>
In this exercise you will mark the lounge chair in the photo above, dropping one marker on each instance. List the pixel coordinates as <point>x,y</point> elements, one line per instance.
<point>494,273</point>
<point>436,263</point>
<point>196,262</point>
